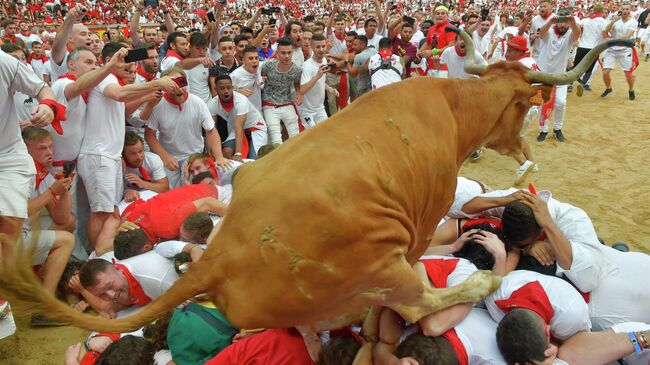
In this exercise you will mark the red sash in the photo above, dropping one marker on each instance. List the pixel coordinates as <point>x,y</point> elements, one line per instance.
<point>457,344</point>
<point>143,172</point>
<point>41,173</point>
<point>244,146</point>
<point>438,270</point>
<point>136,293</point>
<point>547,108</point>
<point>635,62</point>
<point>530,296</point>
<point>84,95</point>
<point>300,126</point>
<point>213,168</point>
<point>61,163</point>
<point>495,223</point>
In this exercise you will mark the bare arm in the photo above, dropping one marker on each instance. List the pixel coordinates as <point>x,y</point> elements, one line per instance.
<point>392,27</point>
<point>134,24</point>
<point>544,31</point>
<point>211,205</point>
<point>306,87</point>
<point>380,16</point>
<point>258,40</point>
<point>575,29</point>
<point>213,142</point>
<point>154,144</point>
<point>62,35</point>
<point>239,133</point>
<point>132,92</point>
<point>390,330</point>
<point>252,20</point>
<point>89,80</point>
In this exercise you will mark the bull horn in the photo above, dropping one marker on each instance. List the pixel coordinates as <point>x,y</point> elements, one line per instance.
<point>566,78</point>
<point>470,66</point>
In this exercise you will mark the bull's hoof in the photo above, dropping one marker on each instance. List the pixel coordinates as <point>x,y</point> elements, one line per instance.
<point>481,284</point>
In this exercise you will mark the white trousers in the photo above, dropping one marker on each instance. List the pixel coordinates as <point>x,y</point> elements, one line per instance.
<point>274,116</point>
<point>310,118</point>
<point>559,108</point>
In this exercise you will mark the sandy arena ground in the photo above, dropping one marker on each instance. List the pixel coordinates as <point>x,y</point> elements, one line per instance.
<point>601,168</point>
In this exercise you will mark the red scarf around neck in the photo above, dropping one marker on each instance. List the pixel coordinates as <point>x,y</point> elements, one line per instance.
<point>557,32</point>
<point>173,102</point>
<point>143,173</point>
<point>11,39</point>
<point>28,34</point>
<point>172,53</point>
<point>41,173</point>
<point>385,53</point>
<point>597,15</point>
<point>229,105</point>
<point>531,296</point>
<point>84,95</point>
<point>459,52</point>
<point>341,38</point>
<point>32,57</point>
<point>213,168</point>
<point>119,79</point>
<point>438,270</point>
<point>136,293</point>
<point>144,73</point>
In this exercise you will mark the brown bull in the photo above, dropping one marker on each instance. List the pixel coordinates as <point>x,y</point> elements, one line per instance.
<point>332,221</point>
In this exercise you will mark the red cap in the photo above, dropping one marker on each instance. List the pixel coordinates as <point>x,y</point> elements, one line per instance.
<point>519,43</point>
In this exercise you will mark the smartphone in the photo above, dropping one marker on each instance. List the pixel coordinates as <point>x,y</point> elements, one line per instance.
<point>68,168</point>
<point>273,22</point>
<point>210,15</point>
<point>135,55</point>
<point>181,81</point>
<point>151,3</point>
<point>331,66</point>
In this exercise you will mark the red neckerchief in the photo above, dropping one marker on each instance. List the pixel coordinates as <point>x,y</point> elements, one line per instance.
<point>68,48</point>
<point>143,172</point>
<point>173,102</point>
<point>41,173</point>
<point>11,39</point>
<point>26,35</point>
<point>119,79</point>
<point>59,114</point>
<point>32,57</point>
<point>557,32</point>
<point>530,296</point>
<point>341,38</point>
<point>228,106</point>
<point>597,15</point>
<point>438,270</point>
<point>457,345</point>
<point>213,168</point>
<point>172,53</point>
<point>136,293</point>
<point>459,52</point>
<point>144,73</point>
<point>546,17</point>
<point>74,78</point>
<point>385,53</point>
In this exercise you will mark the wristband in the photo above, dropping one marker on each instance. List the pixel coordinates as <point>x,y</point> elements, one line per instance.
<point>435,51</point>
<point>635,343</point>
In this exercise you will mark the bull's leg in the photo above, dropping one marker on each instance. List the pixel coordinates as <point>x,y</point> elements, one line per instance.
<point>414,300</point>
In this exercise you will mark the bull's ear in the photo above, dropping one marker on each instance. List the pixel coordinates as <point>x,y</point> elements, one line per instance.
<point>540,94</point>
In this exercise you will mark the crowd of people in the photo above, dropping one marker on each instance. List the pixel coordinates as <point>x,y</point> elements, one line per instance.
<point>119,147</point>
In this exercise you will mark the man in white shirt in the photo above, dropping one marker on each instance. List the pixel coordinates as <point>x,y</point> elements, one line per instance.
<point>142,170</point>
<point>100,156</point>
<point>177,51</point>
<point>26,35</point>
<point>247,79</point>
<point>539,20</point>
<point>623,28</point>
<point>147,70</point>
<point>70,35</point>
<point>454,59</point>
<point>592,35</point>
<point>293,31</point>
<point>556,44</point>
<point>312,84</point>
<point>247,129</point>
<point>16,167</point>
<point>178,118</point>
<point>197,76</point>
<point>37,59</point>
<point>385,68</point>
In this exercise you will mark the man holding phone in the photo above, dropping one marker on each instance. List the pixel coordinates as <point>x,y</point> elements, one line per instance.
<point>312,84</point>
<point>179,120</point>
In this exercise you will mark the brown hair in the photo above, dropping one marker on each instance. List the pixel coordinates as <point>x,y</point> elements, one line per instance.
<point>34,134</point>
<point>90,269</point>
<point>199,225</point>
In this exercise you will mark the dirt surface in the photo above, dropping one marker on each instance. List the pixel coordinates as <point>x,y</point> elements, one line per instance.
<point>601,168</point>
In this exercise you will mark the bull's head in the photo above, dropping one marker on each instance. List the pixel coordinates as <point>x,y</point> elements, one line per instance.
<point>524,87</point>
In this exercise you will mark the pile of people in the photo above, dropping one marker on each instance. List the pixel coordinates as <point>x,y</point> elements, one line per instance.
<point>119,149</point>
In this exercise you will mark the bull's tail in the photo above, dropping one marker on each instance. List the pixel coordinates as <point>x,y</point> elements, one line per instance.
<point>23,290</point>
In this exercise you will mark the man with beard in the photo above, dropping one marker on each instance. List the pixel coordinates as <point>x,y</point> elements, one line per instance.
<point>247,80</point>
<point>359,67</point>
<point>245,123</point>
<point>147,70</point>
<point>69,36</point>
<point>178,49</point>
<point>142,170</point>
<point>312,84</point>
<point>179,120</point>
<point>553,56</point>
<point>539,20</point>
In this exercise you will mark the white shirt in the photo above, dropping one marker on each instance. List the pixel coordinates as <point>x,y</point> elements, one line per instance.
<point>571,314</point>
<point>478,334</point>
<point>180,131</point>
<point>68,145</point>
<point>374,41</point>
<point>57,70</point>
<point>555,51</point>
<point>481,44</point>
<point>619,30</point>
<point>24,105</point>
<point>242,106</point>
<point>592,32</point>
<point>167,63</point>
<point>15,76</point>
<point>197,82</point>
<point>529,62</point>
<point>297,57</point>
<point>38,66</point>
<point>106,121</point>
<point>242,79</point>
<point>463,270</point>
<point>33,37</point>
<point>152,164</point>
<point>47,70</point>
<point>456,63</point>
<point>338,47</point>
<point>535,26</point>
<point>153,272</point>
<point>381,78</point>
<point>312,101</point>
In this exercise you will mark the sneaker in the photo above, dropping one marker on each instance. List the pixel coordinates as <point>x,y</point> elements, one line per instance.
<point>606,92</point>
<point>632,96</point>
<point>558,135</point>
<point>523,171</point>
<point>4,309</point>
<point>587,87</point>
<point>580,89</point>
<point>476,155</point>
<point>38,320</point>
<point>623,247</point>
<point>541,137</point>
